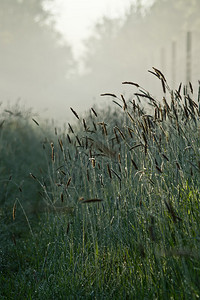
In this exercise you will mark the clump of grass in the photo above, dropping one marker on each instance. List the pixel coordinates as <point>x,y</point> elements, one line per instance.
<point>122,204</point>
<point>20,200</point>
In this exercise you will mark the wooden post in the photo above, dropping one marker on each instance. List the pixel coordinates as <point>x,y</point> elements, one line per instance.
<point>163,60</point>
<point>173,64</point>
<point>188,57</point>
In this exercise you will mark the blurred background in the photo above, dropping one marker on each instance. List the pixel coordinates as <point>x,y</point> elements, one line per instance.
<point>58,54</point>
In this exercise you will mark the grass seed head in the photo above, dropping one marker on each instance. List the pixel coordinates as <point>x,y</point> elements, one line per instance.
<point>14,212</point>
<point>68,182</point>
<point>109,94</point>
<point>109,171</point>
<point>76,115</point>
<point>94,112</point>
<point>35,122</point>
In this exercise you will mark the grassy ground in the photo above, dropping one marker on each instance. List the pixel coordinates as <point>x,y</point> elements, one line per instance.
<point>116,203</point>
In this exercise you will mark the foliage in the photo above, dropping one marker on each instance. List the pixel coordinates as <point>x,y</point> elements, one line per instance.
<point>122,206</point>
<point>119,49</point>
<point>35,60</point>
<point>21,153</point>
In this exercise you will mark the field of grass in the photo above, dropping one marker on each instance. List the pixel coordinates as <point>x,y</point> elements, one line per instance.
<point>107,208</point>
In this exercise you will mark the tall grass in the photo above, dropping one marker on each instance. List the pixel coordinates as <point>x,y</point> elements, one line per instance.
<point>121,205</point>
<point>21,153</point>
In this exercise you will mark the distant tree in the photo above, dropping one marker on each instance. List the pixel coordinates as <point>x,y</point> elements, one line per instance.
<point>125,49</point>
<point>113,49</point>
<point>167,17</point>
<point>33,58</point>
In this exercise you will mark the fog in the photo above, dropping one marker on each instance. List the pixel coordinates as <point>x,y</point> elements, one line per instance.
<point>38,70</point>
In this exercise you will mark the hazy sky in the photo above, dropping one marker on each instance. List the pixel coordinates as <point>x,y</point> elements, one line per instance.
<point>76,18</point>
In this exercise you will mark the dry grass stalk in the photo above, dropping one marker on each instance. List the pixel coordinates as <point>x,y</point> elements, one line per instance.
<point>145,125</point>
<point>178,166</point>
<point>179,95</point>
<point>130,117</point>
<point>134,105</point>
<point>146,96</point>
<point>144,137</point>
<point>131,83</point>
<point>109,171</point>
<point>191,88</point>
<point>94,112</point>
<point>14,212</point>
<point>85,126</point>
<point>165,156</point>
<point>52,152</point>
<point>77,138</point>
<point>60,144</point>
<point>95,127</point>
<point>119,158</point>
<point>35,122</point>
<point>69,138</point>
<point>179,88</point>
<point>134,164</point>
<point>160,74</point>
<point>116,136</point>
<point>104,127</point>
<point>155,114</point>
<point>70,127</point>
<point>68,182</point>
<point>121,133</point>
<point>109,94</point>
<point>33,176</point>
<point>62,197</point>
<point>136,146</point>
<point>76,115</point>
<point>129,131</point>
<point>159,169</point>
<point>116,175</point>
<point>93,162</point>
<point>67,231</point>
<point>166,104</point>
<point>163,86</point>
<point>145,149</point>
<point>124,102</point>
<point>117,103</point>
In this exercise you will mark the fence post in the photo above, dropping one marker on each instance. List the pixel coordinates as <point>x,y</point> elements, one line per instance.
<point>173,64</point>
<point>188,56</point>
<point>162,56</point>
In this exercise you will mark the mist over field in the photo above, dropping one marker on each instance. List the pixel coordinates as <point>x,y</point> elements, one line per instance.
<point>103,204</point>
<point>38,69</point>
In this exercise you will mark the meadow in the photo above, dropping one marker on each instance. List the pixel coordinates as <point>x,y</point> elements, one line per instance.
<point>107,207</point>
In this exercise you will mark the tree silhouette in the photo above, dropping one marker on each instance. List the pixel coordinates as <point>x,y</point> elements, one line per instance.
<point>34,62</point>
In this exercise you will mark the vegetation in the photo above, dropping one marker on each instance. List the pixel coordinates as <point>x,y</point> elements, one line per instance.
<point>119,49</point>
<point>35,60</point>
<point>117,196</point>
